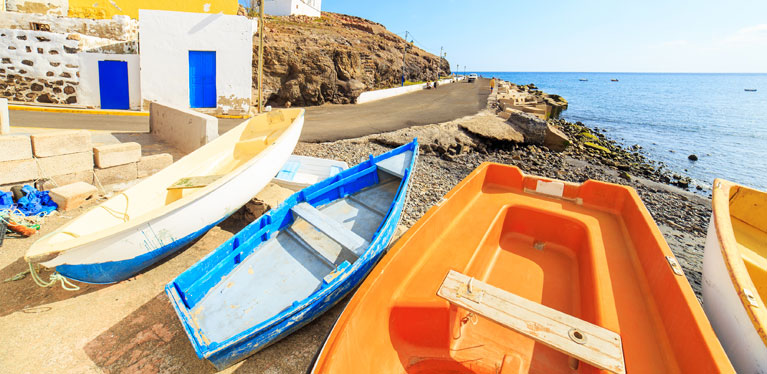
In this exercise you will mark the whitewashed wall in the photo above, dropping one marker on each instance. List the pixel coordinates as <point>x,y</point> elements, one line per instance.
<point>89,93</point>
<point>118,28</point>
<point>376,95</point>
<point>293,7</point>
<point>165,41</point>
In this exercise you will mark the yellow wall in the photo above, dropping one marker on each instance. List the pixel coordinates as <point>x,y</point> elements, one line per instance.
<point>105,9</point>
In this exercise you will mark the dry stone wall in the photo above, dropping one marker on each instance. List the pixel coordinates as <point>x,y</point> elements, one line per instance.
<point>43,66</point>
<point>38,66</point>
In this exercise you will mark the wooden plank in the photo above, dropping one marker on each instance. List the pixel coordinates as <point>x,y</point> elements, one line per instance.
<point>330,227</point>
<point>572,336</point>
<point>194,182</point>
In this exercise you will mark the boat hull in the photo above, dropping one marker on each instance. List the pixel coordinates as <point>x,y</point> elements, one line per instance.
<point>589,253</point>
<point>733,267</point>
<point>152,240</point>
<point>724,309</point>
<point>287,326</point>
<point>188,294</point>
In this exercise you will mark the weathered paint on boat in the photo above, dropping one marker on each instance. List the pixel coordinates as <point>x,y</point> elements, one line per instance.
<point>589,250</point>
<point>263,283</point>
<point>148,222</point>
<point>303,171</point>
<point>735,274</point>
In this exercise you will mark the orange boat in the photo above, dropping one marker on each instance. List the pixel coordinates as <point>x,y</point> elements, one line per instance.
<point>518,274</point>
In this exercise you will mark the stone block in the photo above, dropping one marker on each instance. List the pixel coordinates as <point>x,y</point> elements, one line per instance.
<point>15,148</point>
<point>117,174</point>
<point>72,195</point>
<point>106,156</point>
<point>65,164</point>
<point>532,127</point>
<point>56,143</point>
<point>555,139</point>
<point>149,165</point>
<point>18,171</point>
<point>183,128</point>
<point>62,180</point>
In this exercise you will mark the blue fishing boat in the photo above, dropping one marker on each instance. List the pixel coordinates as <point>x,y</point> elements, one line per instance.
<point>293,263</point>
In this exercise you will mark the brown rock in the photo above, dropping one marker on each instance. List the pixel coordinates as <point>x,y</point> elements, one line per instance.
<point>555,139</point>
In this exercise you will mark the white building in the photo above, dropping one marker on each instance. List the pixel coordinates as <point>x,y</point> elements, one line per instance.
<point>311,8</point>
<point>196,60</point>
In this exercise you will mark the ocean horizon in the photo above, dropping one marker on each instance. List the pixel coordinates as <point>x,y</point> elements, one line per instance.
<point>672,116</point>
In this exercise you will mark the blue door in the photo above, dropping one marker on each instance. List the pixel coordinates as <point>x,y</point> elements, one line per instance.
<point>113,85</point>
<point>202,79</point>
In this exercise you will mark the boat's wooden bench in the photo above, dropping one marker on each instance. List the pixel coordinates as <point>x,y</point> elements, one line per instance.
<point>332,228</point>
<point>574,337</point>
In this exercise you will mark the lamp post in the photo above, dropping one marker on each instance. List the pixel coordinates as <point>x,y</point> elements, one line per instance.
<point>404,53</point>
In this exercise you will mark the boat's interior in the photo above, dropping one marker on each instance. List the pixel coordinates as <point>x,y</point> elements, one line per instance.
<point>749,225</point>
<point>593,254</point>
<point>223,155</point>
<point>261,274</point>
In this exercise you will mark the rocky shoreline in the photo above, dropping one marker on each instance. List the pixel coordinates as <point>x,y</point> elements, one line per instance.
<point>451,150</point>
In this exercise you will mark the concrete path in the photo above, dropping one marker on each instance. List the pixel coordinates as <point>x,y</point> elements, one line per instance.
<point>446,103</point>
<point>323,123</point>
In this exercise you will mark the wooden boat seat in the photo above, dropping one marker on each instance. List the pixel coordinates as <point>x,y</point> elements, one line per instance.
<point>396,165</point>
<point>332,228</point>
<point>572,336</point>
<point>194,182</point>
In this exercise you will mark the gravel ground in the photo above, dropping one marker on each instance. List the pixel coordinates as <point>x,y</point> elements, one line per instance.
<point>681,215</point>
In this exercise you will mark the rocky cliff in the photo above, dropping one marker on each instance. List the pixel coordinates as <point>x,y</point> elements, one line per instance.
<point>312,61</point>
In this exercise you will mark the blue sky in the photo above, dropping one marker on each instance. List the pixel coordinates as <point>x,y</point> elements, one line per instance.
<point>580,35</point>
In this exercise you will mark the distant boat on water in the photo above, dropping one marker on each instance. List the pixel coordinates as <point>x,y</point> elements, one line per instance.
<point>583,80</point>
<point>749,89</point>
<point>613,80</point>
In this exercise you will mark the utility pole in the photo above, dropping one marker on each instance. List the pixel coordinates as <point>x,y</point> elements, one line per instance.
<point>260,55</point>
<point>439,67</point>
<point>404,53</point>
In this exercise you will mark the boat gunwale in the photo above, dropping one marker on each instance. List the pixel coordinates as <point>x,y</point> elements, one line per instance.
<point>62,247</point>
<point>207,350</point>
<point>733,261</point>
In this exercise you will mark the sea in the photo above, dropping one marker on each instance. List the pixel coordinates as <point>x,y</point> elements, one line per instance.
<point>672,116</point>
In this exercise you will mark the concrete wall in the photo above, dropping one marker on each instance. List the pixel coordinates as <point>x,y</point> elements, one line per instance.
<point>89,93</point>
<point>369,96</point>
<point>310,8</point>
<point>165,41</point>
<point>37,66</point>
<point>108,9</point>
<point>5,122</point>
<point>182,128</point>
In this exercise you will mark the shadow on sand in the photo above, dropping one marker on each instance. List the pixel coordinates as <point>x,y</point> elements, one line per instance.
<point>25,295</point>
<point>152,340</point>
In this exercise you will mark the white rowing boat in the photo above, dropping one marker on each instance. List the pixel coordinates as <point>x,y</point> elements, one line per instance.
<point>735,274</point>
<point>162,213</point>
